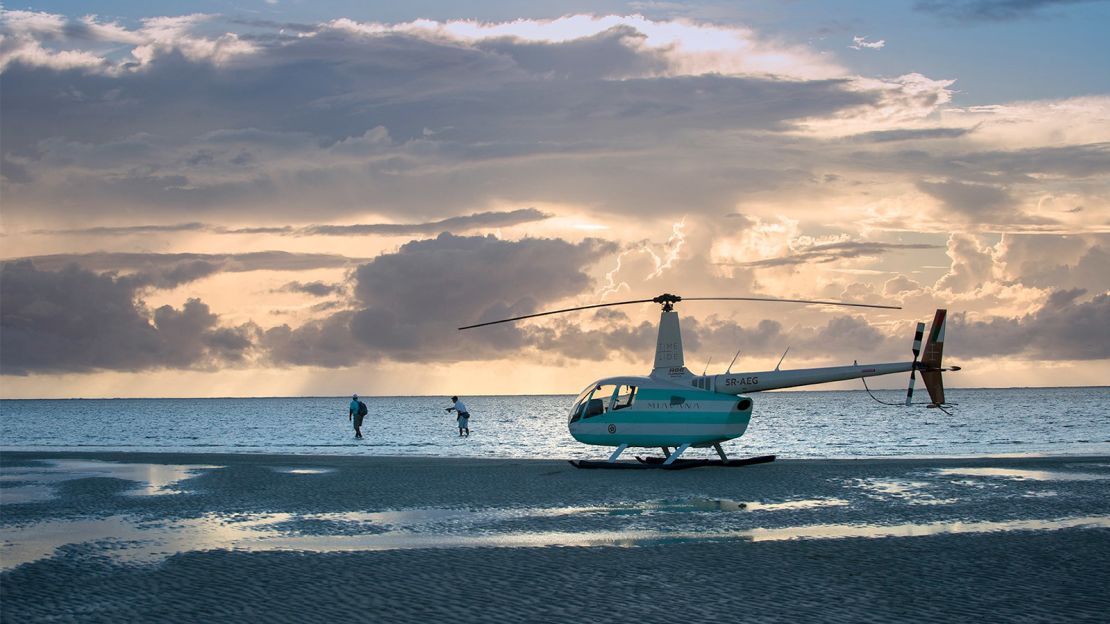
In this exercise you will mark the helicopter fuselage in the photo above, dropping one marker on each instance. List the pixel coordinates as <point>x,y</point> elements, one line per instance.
<point>647,412</point>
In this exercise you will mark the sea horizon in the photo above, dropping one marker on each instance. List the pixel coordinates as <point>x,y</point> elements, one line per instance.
<point>509,394</point>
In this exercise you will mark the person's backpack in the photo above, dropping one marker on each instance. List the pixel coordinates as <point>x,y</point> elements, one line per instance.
<point>362,411</point>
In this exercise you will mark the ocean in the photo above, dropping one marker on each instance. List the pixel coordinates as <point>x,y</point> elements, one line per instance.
<point>841,424</point>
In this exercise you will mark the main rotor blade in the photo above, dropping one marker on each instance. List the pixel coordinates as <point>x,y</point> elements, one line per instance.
<point>527,316</point>
<point>675,299</point>
<point>835,303</point>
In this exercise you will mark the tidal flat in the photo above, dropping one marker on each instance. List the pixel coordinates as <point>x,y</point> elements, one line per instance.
<point>176,537</point>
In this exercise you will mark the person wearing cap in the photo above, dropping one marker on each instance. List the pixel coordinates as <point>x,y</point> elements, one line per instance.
<point>356,415</point>
<point>463,415</point>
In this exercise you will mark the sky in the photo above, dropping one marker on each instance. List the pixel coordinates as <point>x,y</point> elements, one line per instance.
<point>280,198</point>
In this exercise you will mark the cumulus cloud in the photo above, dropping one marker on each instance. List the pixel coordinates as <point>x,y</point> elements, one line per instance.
<point>411,301</point>
<point>47,40</point>
<point>1062,329</point>
<point>861,43</point>
<point>973,264</point>
<point>1063,262</point>
<point>75,321</point>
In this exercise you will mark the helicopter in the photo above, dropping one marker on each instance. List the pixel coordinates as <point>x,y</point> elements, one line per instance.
<point>673,409</point>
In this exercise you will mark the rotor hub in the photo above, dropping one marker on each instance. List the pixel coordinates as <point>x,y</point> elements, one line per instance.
<point>668,300</point>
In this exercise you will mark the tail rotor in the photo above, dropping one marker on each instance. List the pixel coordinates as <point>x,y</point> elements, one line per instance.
<point>916,352</point>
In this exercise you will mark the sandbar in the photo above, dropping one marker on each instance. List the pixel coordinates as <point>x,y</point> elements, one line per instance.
<point>109,537</point>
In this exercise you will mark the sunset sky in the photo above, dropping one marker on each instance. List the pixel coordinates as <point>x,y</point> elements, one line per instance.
<point>278,197</point>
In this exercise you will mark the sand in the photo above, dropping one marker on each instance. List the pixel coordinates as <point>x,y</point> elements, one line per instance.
<point>198,538</point>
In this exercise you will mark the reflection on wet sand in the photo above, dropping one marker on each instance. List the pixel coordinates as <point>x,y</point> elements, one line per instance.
<point>36,483</point>
<point>131,540</point>
<point>1031,475</point>
<point>303,471</point>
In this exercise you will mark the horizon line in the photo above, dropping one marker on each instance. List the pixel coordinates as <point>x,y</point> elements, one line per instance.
<point>537,394</point>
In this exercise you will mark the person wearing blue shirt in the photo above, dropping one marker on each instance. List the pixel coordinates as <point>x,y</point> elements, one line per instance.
<point>356,413</point>
<point>463,416</point>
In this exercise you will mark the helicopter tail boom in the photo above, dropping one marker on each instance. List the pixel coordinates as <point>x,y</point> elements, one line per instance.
<point>737,383</point>
<point>929,366</point>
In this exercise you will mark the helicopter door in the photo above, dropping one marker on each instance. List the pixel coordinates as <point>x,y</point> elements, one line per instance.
<point>624,397</point>
<point>601,401</point>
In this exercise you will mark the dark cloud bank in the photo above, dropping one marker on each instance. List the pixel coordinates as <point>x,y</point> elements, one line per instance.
<point>411,302</point>
<point>406,306</point>
<point>73,321</point>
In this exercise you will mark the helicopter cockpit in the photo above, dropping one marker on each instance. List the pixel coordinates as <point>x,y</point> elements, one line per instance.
<point>599,399</point>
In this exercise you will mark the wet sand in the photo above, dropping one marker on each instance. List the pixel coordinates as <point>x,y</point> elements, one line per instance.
<point>192,538</point>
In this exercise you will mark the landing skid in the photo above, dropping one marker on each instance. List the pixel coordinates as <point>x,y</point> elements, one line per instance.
<point>694,463</point>
<point>649,463</point>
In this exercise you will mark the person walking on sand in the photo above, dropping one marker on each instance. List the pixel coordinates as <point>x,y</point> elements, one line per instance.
<point>356,413</point>
<point>463,416</point>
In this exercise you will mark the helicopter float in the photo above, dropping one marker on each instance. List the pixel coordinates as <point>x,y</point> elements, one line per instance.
<point>673,409</point>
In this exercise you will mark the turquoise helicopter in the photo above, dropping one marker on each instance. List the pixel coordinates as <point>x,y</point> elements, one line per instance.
<point>673,409</point>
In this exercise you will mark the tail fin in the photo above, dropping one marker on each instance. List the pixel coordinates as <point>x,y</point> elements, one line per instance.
<point>931,360</point>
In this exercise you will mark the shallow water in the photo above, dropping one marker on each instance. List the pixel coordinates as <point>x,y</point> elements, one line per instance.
<point>791,424</point>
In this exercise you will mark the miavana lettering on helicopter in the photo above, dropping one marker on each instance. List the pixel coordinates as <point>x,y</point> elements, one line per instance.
<point>671,408</point>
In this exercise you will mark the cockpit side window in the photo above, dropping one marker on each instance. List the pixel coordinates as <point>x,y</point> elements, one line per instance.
<point>599,401</point>
<point>625,395</point>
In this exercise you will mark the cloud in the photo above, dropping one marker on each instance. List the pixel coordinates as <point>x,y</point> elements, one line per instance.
<point>980,202</point>
<point>481,220</point>
<point>990,10</point>
<point>130,230</point>
<point>886,136</point>
<point>832,252</point>
<point>173,269</point>
<point>972,264</point>
<point>1062,329</point>
<point>76,321</point>
<point>411,301</point>
<point>234,262</point>
<point>861,43</point>
<point>28,31</point>
<point>1061,262</point>
<point>415,122</point>
<point>316,289</point>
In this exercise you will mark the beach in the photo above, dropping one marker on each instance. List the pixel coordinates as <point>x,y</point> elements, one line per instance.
<point>174,537</point>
